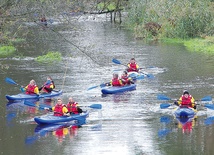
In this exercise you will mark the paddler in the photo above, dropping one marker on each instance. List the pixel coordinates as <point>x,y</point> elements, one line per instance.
<point>125,79</point>
<point>59,109</point>
<point>186,100</point>
<point>115,81</point>
<point>31,88</point>
<point>132,66</point>
<point>48,86</point>
<point>72,107</point>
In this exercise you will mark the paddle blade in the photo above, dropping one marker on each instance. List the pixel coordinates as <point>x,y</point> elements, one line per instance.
<point>92,87</point>
<point>140,77</point>
<point>209,106</point>
<point>116,61</point>
<point>206,98</point>
<point>164,132</point>
<point>10,81</point>
<point>163,97</point>
<point>96,106</point>
<point>165,119</point>
<point>209,120</point>
<point>102,85</point>
<point>165,105</point>
<point>150,76</point>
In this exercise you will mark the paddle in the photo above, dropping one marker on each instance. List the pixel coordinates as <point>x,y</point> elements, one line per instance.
<point>163,132</point>
<point>101,86</point>
<point>209,120</point>
<point>166,105</point>
<point>10,81</point>
<point>164,97</point>
<point>94,106</point>
<point>209,106</point>
<point>40,106</point>
<point>44,106</point>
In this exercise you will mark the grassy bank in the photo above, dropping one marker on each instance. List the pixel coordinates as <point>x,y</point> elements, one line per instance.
<point>205,45</point>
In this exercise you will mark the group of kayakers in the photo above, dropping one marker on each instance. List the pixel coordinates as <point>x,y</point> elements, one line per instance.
<point>32,88</point>
<point>61,109</point>
<point>132,66</point>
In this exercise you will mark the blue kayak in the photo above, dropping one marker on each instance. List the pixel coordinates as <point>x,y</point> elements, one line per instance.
<point>118,89</point>
<point>185,112</point>
<point>51,119</point>
<point>26,96</point>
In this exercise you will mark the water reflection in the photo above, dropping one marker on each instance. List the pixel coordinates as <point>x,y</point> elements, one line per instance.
<point>172,124</point>
<point>60,131</point>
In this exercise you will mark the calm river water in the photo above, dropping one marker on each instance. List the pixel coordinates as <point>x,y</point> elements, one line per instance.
<point>128,124</point>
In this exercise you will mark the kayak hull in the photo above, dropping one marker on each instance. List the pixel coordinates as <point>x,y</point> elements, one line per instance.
<point>118,89</point>
<point>26,96</point>
<point>133,75</point>
<point>51,119</point>
<point>184,112</point>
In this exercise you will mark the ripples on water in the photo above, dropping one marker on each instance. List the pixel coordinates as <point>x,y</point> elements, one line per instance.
<point>128,123</point>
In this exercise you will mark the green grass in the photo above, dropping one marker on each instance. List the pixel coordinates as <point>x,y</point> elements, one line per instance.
<point>205,45</point>
<point>50,57</point>
<point>6,51</point>
<point>200,45</point>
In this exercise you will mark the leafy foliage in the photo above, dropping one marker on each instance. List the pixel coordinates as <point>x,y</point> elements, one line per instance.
<point>6,51</point>
<point>50,57</point>
<point>178,19</point>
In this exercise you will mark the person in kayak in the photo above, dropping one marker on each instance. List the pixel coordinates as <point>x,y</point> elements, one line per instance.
<point>31,88</point>
<point>125,79</point>
<point>132,66</point>
<point>186,100</point>
<point>59,109</point>
<point>115,81</point>
<point>48,86</point>
<point>72,107</point>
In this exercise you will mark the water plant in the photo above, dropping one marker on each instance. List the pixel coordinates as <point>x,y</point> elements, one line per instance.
<point>6,51</point>
<point>50,57</point>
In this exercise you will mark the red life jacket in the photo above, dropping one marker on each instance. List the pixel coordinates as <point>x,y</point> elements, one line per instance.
<point>72,107</point>
<point>125,79</point>
<point>58,110</point>
<point>116,82</point>
<point>30,89</point>
<point>132,67</point>
<point>46,85</point>
<point>186,101</point>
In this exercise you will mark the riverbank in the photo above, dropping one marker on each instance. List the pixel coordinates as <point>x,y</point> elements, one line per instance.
<point>205,44</point>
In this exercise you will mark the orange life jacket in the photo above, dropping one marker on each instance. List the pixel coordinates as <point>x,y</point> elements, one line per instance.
<point>58,110</point>
<point>30,89</point>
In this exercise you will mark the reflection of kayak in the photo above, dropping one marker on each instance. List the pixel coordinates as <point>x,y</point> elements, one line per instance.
<point>118,89</point>
<point>184,112</point>
<point>51,119</point>
<point>26,96</point>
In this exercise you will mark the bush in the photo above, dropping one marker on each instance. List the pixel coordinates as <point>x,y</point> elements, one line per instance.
<point>50,57</point>
<point>6,51</point>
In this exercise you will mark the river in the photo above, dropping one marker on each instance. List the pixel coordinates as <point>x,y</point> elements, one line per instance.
<point>128,124</point>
